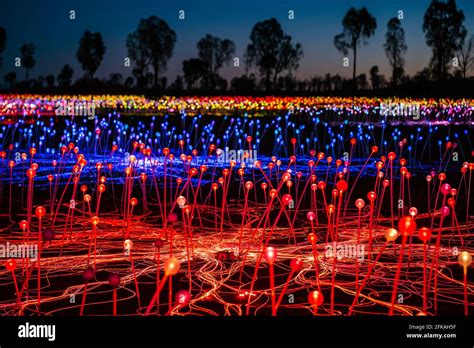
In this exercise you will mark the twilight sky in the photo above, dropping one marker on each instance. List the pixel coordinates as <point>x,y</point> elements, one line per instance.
<point>46,23</point>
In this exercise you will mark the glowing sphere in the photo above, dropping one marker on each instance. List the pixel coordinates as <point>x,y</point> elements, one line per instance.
<point>391,235</point>
<point>392,156</point>
<point>312,237</point>
<point>95,220</point>
<point>114,280</point>
<point>88,274</point>
<point>40,211</point>
<point>128,244</point>
<point>159,243</point>
<point>287,199</point>
<point>31,173</point>
<point>316,298</point>
<point>171,266</point>
<point>296,264</point>
<point>331,208</point>
<point>23,224</point>
<point>172,217</point>
<point>87,198</point>
<point>424,234</point>
<point>359,203</point>
<point>10,264</point>
<point>183,297</point>
<point>465,259</point>
<point>371,196</point>
<point>445,188</point>
<point>413,211</point>
<point>249,185</point>
<point>311,216</point>
<point>342,185</point>
<point>133,201</point>
<point>444,211</point>
<point>270,255</point>
<point>407,225</point>
<point>181,201</point>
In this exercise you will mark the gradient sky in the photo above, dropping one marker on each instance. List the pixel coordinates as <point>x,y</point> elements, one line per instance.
<point>46,23</point>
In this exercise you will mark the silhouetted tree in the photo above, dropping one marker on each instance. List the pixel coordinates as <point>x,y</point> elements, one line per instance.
<point>27,59</point>
<point>374,76</point>
<point>444,31</point>
<point>395,47</point>
<point>50,81</point>
<point>115,79</point>
<point>243,84</point>
<point>10,79</point>
<point>3,40</point>
<point>90,53</point>
<point>465,56</point>
<point>129,82</point>
<point>362,81</point>
<point>272,51</point>
<point>151,44</point>
<point>193,69</point>
<point>65,76</point>
<point>358,26</point>
<point>177,85</point>
<point>214,52</point>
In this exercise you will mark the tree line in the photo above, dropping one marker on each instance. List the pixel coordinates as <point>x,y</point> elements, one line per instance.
<point>271,58</point>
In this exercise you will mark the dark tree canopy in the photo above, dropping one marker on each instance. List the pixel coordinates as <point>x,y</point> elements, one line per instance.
<point>215,52</point>
<point>65,76</point>
<point>358,26</point>
<point>465,56</point>
<point>152,45</point>
<point>272,51</point>
<point>445,32</point>
<point>27,59</point>
<point>10,79</point>
<point>194,69</point>
<point>395,48</point>
<point>91,51</point>
<point>3,40</point>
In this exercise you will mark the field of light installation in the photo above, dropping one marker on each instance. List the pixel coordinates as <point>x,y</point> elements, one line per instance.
<point>236,206</point>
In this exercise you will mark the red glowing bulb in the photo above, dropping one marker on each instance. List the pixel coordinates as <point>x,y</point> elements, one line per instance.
<point>342,185</point>
<point>424,234</point>
<point>10,264</point>
<point>407,225</point>
<point>360,203</point>
<point>287,199</point>
<point>371,196</point>
<point>296,264</point>
<point>40,211</point>
<point>316,298</point>
<point>270,255</point>
<point>171,266</point>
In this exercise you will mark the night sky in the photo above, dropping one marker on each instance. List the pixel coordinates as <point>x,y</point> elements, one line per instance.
<point>46,23</point>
